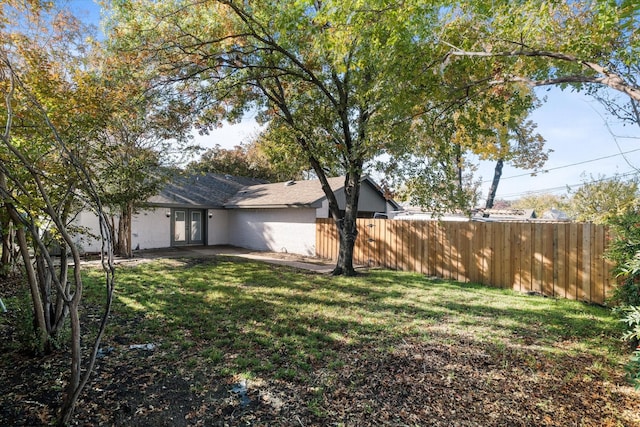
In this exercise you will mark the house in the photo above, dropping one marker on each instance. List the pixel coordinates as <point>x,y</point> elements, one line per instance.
<point>215,209</point>
<point>482,215</point>
<point>415,213</point>
<point>502,215</point>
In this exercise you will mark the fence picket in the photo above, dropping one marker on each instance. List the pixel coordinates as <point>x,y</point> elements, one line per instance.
<point>547,259</point>
<point>586,261</point>
<point>506,281</point>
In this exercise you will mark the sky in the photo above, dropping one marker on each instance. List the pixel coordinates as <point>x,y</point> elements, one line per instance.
<point>86,10</point>
<point>585,141</point>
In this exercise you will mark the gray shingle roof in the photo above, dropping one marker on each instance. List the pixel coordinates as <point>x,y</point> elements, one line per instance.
<point>295,194</point>
<point>207,191</point>
<point>201,190</point>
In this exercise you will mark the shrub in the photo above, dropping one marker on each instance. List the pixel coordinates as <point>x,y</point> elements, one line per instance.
<point>24,327</point>
<point>624,251</point>
<point>632,319</point>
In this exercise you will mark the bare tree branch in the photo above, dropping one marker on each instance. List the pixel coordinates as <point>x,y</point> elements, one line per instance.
<point>604,76</point>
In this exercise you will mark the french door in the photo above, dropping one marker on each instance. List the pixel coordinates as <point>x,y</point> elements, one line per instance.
<point>187,227</point>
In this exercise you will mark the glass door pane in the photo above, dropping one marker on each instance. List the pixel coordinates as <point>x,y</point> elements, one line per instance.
<point>196,226</point>
<point>180,226</point>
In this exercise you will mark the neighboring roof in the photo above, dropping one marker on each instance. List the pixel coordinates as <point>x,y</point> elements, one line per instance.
<point>556,214</point>
<point>283,194</point>
<point>484,215</point>
<point>431,216</point>
<point>201,190</point>
<point>505,214</point>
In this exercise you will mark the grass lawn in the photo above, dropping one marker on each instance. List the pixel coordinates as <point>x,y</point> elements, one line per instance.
<point>236,342</point>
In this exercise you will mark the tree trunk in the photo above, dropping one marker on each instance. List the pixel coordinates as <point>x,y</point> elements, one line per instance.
<point>124,231</point>
<point>80,377</point>
<point>122,244</point>
<point>494,184</point>
<point>459,167</point>
<point>6,232</point>
<point>129,249</point>
<point>114,234</point>
<point>347,226</point>
<point>62,310</point>
<point>44,283</point>
<point>73,386</point>
<point>345,223</point>
<point>32,278</point>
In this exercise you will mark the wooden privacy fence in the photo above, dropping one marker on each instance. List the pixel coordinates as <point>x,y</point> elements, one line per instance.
<point>555,259</point>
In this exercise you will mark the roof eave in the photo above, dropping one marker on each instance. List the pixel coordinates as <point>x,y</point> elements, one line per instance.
<point>181,205</point>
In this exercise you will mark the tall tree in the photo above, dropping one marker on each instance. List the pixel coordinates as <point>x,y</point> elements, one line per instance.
<point>474,121</point>
<point>350,80</point>
<point>525,150</point>
<point>601,199</point>
<point>540,203</point>
<point>250,160</point>
<point>47,115</point>
<point>328,71</point>
<point>144,138</point>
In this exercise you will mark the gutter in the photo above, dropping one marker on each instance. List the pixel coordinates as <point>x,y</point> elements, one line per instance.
<point>295,205</point>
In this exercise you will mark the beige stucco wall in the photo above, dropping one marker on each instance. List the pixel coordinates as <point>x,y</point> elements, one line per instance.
<point>217,227</point>
<point>89,221</point>
<point>151,229</point>
<point>291,230</point>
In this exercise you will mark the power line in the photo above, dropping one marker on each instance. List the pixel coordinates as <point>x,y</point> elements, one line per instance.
<point>616,137</point>
<point>567,166</point>
<point>564,187</point>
